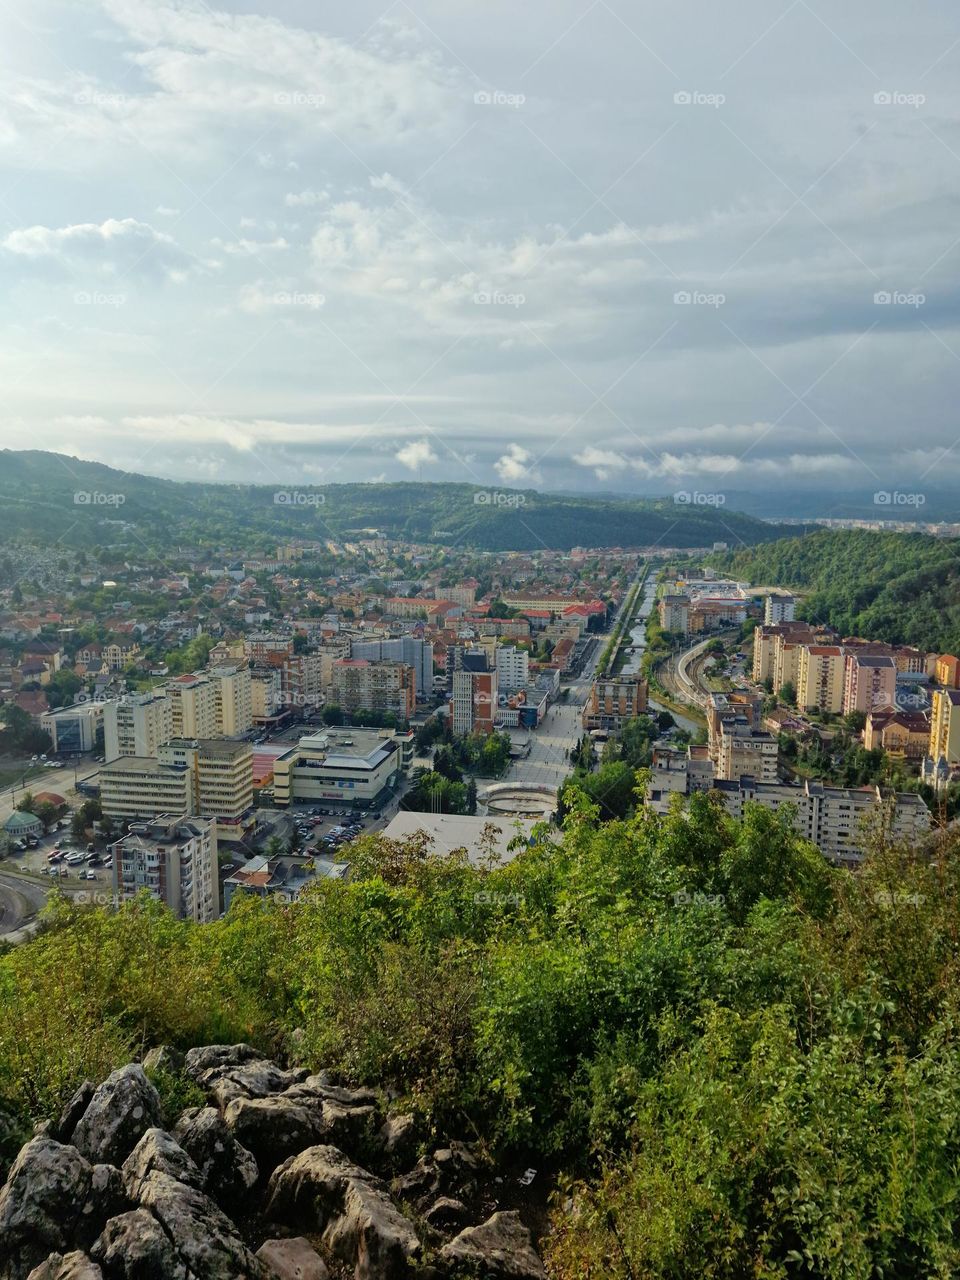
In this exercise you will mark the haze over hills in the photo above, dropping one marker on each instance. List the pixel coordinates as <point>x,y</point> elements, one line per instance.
<point>51,497</point>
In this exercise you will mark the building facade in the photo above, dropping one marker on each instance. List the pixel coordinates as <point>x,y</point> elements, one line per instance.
<point>175,860</point>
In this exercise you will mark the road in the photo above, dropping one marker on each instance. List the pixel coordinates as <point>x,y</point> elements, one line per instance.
<point>549,760</point>
<point>20,900</point>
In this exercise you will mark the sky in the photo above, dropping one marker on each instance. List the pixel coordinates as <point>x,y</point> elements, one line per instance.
<point>580,244</point>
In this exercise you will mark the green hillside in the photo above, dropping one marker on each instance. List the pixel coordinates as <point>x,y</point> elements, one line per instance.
<point>899,587</point>
<point>38,493</point>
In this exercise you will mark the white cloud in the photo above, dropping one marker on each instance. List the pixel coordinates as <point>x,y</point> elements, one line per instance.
<point>416,454</point>
<point>118,244</point>
<point>513,467</point>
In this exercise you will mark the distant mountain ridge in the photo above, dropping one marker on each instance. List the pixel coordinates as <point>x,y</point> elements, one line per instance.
<point>49,498</point>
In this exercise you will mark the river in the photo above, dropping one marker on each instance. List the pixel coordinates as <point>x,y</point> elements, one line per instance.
<point>638,642</point>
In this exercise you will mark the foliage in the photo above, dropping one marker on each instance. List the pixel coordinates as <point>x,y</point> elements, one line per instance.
<point>744,1062</point>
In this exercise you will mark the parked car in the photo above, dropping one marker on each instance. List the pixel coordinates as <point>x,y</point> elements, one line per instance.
<point>88,875</point>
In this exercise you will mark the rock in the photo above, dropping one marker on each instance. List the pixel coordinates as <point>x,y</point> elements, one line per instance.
<point>69,1266</point>
<point>106,1198</point>
<point>257,1079</point>
<point>321,1086</point>
<point>398,1137</point>
<point>134,1246</point>
<point>121,1110</point>
<point>70,1116</point>
<point>157,1150</point>
<point>274,1129</point>
<point>294,1259</point>
<point>164,1058</point>
<point>360,1224</point>
<point>499,1249</point>
<point>40,1204</point>
<point>209,1056</point>
<point>446,1213</point>
<point>450,1170</point>
<point>204,1238</point>
<point>228,1171</point>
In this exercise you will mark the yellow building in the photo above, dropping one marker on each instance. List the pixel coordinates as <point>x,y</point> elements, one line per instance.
<point>945,726</point>
<point>820,677</point>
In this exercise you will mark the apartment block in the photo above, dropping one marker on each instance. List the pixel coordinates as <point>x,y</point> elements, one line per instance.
<point>778,608</point>
<point>473,699</point>
<point>674,612</point>
<point>898,733</point>
<point>416,653</point>
<point>750,752</point>
<point>614,699</point>
<point>175,860</point>
<point>134,788</point>
<point>869,683</point>
<point>359,685</point>
<point>233,699</point>
<point>193,707</point>
<point>513,667</point>
<point>820,677</point>
<point>136,725</point>
<point>945,726</point>
<point>947,671</point>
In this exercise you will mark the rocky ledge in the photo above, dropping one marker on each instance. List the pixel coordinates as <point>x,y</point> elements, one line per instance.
<point>283,1175</point>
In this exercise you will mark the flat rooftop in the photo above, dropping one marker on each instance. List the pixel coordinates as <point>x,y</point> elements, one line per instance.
<point>450,832</point>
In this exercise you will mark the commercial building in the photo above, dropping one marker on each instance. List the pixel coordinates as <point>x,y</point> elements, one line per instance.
<point>175,860</point>
<point>357,767</point>
<point>136,725</point>
<point>869,683</point>
<point>73,729</point>
<point>614,699</point>
<point>134,788</point>
<point>359,685</point>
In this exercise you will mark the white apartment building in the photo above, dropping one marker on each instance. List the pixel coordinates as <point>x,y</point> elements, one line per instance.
<point>175,860</point>
<point>136,725</point>
<point>746,751</point>
<point>778,608</point>
<point>233,700</point>
<point>513,667</point>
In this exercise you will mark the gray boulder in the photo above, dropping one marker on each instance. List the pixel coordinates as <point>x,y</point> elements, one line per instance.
<point>499,1249</point>
<point>157,1150</point>
<point>208,1056</point>
<point>134,1246</point>
<point>72,1112</point>
<point>205,1239</point>
<point>360,1224</point>
<point>257,1079</point>
<point>293,1259</point>
<point>398,1137</point>
<point>228,1171</point>
<point>40,1203</point>
<point>121,1110</point>
<point>69,1266</point>
<point>446,1214</point>
<point>274,1129</point>
<point>164,1057</point>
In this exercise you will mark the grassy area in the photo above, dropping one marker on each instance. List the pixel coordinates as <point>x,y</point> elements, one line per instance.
<point>10,775</point>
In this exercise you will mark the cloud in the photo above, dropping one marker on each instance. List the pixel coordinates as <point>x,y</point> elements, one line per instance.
<point>114,246</point>
<point>513,467</point>
<point>416,454</point>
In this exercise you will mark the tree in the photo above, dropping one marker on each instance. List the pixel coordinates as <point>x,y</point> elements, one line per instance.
<point>788,694</point>
<point>471,796</point>
<point>332,715</point>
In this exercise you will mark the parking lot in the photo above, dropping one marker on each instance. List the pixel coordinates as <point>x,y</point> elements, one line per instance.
<point>73,875</point>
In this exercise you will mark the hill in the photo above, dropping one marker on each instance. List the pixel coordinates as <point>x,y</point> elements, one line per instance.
<point>900,587</point>
<point>47,497</point>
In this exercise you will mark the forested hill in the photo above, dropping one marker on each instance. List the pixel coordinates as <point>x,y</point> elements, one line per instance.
<point>899,587</point>
<point>39,503</point>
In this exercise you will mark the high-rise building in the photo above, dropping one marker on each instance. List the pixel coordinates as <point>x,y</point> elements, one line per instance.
<point>945,726</point>
<point>820,677</point>
<point>193,704</point>
<point>473,700</point>
<point>175,860</point>
<point>869,683</point>
<point>513,667</point>
<point>778,608</point>
<point>233,700</point>
<point>136,725</point>
<point>614,699</point>
<point>359,685</point>
<point>674,611</point>
<point>413,651</point>
<point>749,752</point>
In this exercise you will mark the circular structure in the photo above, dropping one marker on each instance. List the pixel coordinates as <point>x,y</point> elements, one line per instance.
<point>519,800</point>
